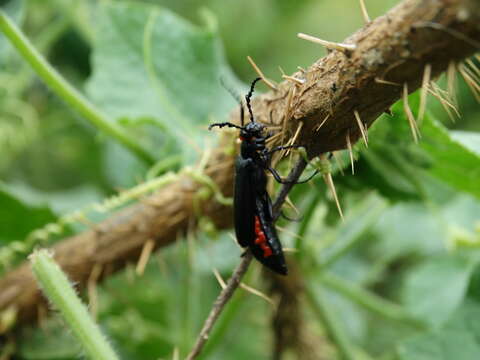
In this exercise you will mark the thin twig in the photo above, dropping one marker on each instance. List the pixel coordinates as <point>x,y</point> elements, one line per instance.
<point>219,304</point>
<point>242,268</point>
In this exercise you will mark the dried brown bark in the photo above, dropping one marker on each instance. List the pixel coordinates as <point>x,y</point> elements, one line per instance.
<point>395,47</point>
<point>292,337</point>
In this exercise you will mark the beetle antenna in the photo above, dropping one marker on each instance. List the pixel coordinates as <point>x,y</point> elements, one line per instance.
<point>249,96</point>
<point>236,97</point>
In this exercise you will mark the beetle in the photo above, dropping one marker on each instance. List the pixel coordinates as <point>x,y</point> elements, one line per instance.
<point>252,205</point>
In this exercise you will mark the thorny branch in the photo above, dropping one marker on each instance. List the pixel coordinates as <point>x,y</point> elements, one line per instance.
<point>242,268</point>
<point>391,51</point>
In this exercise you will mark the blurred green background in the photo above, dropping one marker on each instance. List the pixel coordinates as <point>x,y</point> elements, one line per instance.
<point>399,276</point>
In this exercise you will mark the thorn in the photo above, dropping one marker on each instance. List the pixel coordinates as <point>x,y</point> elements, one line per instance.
<point>273,137</point>
<point>475,80</point>
<point>260,73</point>
<point>451,82</point>
<point>470,82</point>
<point>408,112</point>
<point>219,279</point>
<point>423,93</point>
<point>294,139</point>
<point>291,78</point>
<point>386,82</point>
<point>323,122</point>
<point>297,81</point>
<point>291,204</point>
<point>256,292</point>
<point>301,69</point>
<point>328,44</point>
<point>350,150</point>
<point>291,92</point>
<point>331,186</point>
<point>92,289</point>
<point>329,181</point>
<point>474,73</point>
<point>446,96</point>
<point>360,125</point>
<point>446,104</point>
<point>144,256</point>
<point>364,11</point>
<point>474,67</point>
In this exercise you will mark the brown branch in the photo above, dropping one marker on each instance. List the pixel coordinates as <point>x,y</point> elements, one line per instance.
<point>219,305</point>
<point>291,333</point>
<point>392,49</point>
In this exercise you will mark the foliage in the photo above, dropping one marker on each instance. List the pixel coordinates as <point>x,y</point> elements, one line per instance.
<point>397,279</point>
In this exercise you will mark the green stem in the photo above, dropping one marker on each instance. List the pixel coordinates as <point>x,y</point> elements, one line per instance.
<point>370,301</point>
<point>59,291</point>
<point>67,92</point>
<point>333,327</point>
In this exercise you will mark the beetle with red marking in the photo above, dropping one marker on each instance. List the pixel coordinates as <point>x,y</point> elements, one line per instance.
<point>252,206</point>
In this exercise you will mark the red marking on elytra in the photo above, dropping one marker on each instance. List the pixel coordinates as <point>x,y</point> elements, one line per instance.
<point>260,239</point>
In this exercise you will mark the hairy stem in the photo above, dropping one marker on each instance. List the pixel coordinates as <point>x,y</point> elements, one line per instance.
<point>66,91</point>
<point>59,291</point>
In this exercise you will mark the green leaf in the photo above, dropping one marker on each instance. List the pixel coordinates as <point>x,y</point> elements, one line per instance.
<point>468,139</point>
<point>452,162</point>
<point>459,340</point>
<point>393,160</point>
<point>407,229</point>
<point>149,63</point>
<point>358,221</point>
<point>397,166</point>
<point>434,289</point>
<point>18,219</point>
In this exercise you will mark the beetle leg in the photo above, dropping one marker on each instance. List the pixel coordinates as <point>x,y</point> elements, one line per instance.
<point>278,148</point>
<point>279,179</point>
